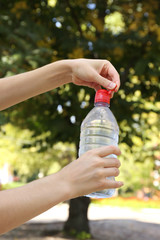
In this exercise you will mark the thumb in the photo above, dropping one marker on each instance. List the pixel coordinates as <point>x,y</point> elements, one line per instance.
<point>106,83</point>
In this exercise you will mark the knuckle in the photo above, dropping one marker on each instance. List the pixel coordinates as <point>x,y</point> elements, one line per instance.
<point>113,148</point>
<point>117,185</point>
<point>107,62</point>
<point>90,153</point>
<point>118,74</point>
<point>99,162</point>
<point>98,174</point>
<point>101,185</point>
<point>95,162</point>
<point>117,163</point>
<point>116,171</point>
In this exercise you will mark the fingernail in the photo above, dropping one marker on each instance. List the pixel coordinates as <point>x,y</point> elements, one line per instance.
<point>111,85</point>
<point>112,94</point>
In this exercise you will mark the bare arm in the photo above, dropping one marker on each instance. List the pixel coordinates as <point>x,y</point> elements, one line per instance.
<point>20,87</point>
<point>83,176</point>
<point>21,204</point>
<point>76,179</point>
<point>87,72</point>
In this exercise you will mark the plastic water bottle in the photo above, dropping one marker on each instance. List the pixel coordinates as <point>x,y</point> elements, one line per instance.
<point>99,128</point>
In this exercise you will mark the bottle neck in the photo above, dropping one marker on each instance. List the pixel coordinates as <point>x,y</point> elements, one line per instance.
<point>101,104</point>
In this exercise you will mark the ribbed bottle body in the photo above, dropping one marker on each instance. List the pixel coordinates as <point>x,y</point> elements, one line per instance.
<point>99,128</point>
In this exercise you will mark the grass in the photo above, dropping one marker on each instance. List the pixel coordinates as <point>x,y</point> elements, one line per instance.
<point>12,185</point>
<point>131,202</point>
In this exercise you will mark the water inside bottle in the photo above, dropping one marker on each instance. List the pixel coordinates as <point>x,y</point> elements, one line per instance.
<point>95,134</point>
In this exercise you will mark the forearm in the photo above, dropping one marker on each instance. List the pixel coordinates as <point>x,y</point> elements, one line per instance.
<point>21,204</point>
<point>85,175</point>
<point>23,86</point>
<point>85,72</point>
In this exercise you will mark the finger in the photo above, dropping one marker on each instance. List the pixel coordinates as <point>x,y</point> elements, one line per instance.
<point>113,184</point>
<point>111,172</point>
<point>111,162</point>
<point>111,73</point>
<point>88,84</point>
<point>92,85</point>
<point>95,86</point>
<point>107,150</point>
<point>112,94</point>
<point>103,81</point>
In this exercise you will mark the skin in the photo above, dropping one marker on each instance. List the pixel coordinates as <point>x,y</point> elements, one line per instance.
<point>83,176</point>
<point>85,72</point>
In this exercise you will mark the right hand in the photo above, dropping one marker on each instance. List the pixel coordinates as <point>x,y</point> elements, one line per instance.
<point>89,172</point>
<point>95,73</point>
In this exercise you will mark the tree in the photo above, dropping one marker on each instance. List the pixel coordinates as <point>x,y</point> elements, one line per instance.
<point>29,155</point>
<point>126,33</point>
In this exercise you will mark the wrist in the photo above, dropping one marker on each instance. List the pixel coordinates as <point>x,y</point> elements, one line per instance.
<point>68,186</point>
<point>60,73</point>
<point>62,185</point>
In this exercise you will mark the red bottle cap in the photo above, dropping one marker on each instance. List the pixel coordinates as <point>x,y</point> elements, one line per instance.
<point>102,95</point>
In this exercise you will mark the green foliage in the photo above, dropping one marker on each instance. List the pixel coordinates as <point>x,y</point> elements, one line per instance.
<point>135,172</point>
<point>80,235</point>
<point>128,202</point>
<point>30,155</point>
<point>83,235</point>
<point>12,185</point>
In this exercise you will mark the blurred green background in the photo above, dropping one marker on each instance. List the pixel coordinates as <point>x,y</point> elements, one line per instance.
<point>41,135</point>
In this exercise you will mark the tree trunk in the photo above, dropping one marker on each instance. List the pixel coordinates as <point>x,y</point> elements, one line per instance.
<point>77,221</point>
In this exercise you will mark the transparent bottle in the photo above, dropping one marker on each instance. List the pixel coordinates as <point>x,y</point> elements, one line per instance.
<point>99,128</point>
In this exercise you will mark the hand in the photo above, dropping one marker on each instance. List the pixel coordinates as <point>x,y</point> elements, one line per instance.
<point>95,73</point>
<point>86,72</point>
<point>89,172</point>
